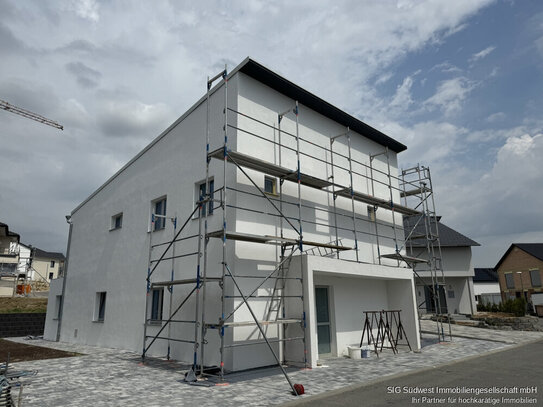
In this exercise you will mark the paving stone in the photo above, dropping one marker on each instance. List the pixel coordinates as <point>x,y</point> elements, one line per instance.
<point>110,377</point>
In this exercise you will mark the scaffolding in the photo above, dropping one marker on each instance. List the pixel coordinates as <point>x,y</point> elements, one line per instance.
<point>422,240</point>
<point>287,209</point>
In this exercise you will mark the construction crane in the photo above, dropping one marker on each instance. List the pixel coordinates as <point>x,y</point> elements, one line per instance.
<point>28,114</point>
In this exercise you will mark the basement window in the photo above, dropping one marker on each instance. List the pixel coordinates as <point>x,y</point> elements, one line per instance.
<point>535,277</point>
<point>100,306</point>
<point>117,221</point>
<point>270,185</point>
<point>509,280</point>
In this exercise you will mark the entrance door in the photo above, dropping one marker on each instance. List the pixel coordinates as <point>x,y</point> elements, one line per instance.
<point>323,320</point>
<point>430,305</point>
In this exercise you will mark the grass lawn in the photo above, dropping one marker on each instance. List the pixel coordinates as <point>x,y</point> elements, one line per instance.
<point>18,305</point>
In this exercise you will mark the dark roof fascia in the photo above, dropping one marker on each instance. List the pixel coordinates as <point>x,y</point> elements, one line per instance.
<point>273,80</point>
<point>42,254</point>
<point>485,275</point>
<point>524,248</point>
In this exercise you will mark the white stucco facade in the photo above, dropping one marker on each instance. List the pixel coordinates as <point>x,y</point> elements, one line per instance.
<point>458,272</point>
<point>113,260</point>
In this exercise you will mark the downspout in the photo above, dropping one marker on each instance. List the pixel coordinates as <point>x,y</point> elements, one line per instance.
<point>61,308</point>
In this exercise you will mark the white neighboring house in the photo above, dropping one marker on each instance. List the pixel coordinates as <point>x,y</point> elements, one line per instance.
<point>25,260</point>
<point>47,265</point>
<point>105,284</point>
<point>486,286</point>
<point>457,296</point>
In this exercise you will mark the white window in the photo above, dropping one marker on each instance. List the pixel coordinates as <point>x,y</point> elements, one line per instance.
<point>270,185</point>
<point>117,221</point>
<point>158,208</point>
<point>52,263</point>
<point>100,306</point>
<point>200,194</point>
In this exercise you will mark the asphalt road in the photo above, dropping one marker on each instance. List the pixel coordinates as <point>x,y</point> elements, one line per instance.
<point>518,370</point>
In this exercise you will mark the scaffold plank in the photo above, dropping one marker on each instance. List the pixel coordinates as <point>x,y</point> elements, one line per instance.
<point>403,257</point>
<point>179,282</point>
<point>382,203</point>
<point>416,191</point>
<point>272,169</point>
<point>251,323</point>
<point>247,237</point>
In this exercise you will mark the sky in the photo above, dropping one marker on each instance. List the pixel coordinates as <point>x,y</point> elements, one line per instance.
<point>458,82</point>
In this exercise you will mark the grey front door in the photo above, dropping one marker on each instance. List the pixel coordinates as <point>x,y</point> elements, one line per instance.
<point>323,320</point>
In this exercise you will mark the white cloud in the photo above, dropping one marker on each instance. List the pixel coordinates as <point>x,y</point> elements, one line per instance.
<point>450,94</point>
<point>446,67</point>
<point>496,117</point>
<point>505,198</point>
<point>137,65</point>
<point>87,9</point>
<point>482,54</point>
<point>402,98</point>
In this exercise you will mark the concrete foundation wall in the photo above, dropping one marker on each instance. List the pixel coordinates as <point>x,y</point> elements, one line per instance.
<point>53,306</point>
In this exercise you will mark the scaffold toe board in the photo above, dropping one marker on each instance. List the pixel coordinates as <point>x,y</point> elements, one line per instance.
<point>403,257</point>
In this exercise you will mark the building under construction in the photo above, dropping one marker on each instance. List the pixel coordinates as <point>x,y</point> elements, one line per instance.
<point>257,230</point>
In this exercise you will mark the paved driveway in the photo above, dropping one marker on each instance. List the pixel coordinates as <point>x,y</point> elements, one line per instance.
<point>108,377</point>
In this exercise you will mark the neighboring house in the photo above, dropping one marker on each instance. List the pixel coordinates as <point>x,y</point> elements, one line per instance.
<point>47,265</point>
<point>107,300</point>
<point>9,250</point>
<point>486,286</point>
<point>457,293</point>
<point>9,259</point>
<point>520,270</point>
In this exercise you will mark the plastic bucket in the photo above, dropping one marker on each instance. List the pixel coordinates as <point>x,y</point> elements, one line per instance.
<point>355,352</point>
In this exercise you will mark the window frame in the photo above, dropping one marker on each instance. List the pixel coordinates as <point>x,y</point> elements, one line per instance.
<point>273,181</point>
<point>512,281</point>
<point>200,189</point>
<point>160,221</point>
<point>114,219</point>
<point>536,272</point>
<point>156,306</point>
<point>58,306</point>
<point>100,306</point>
